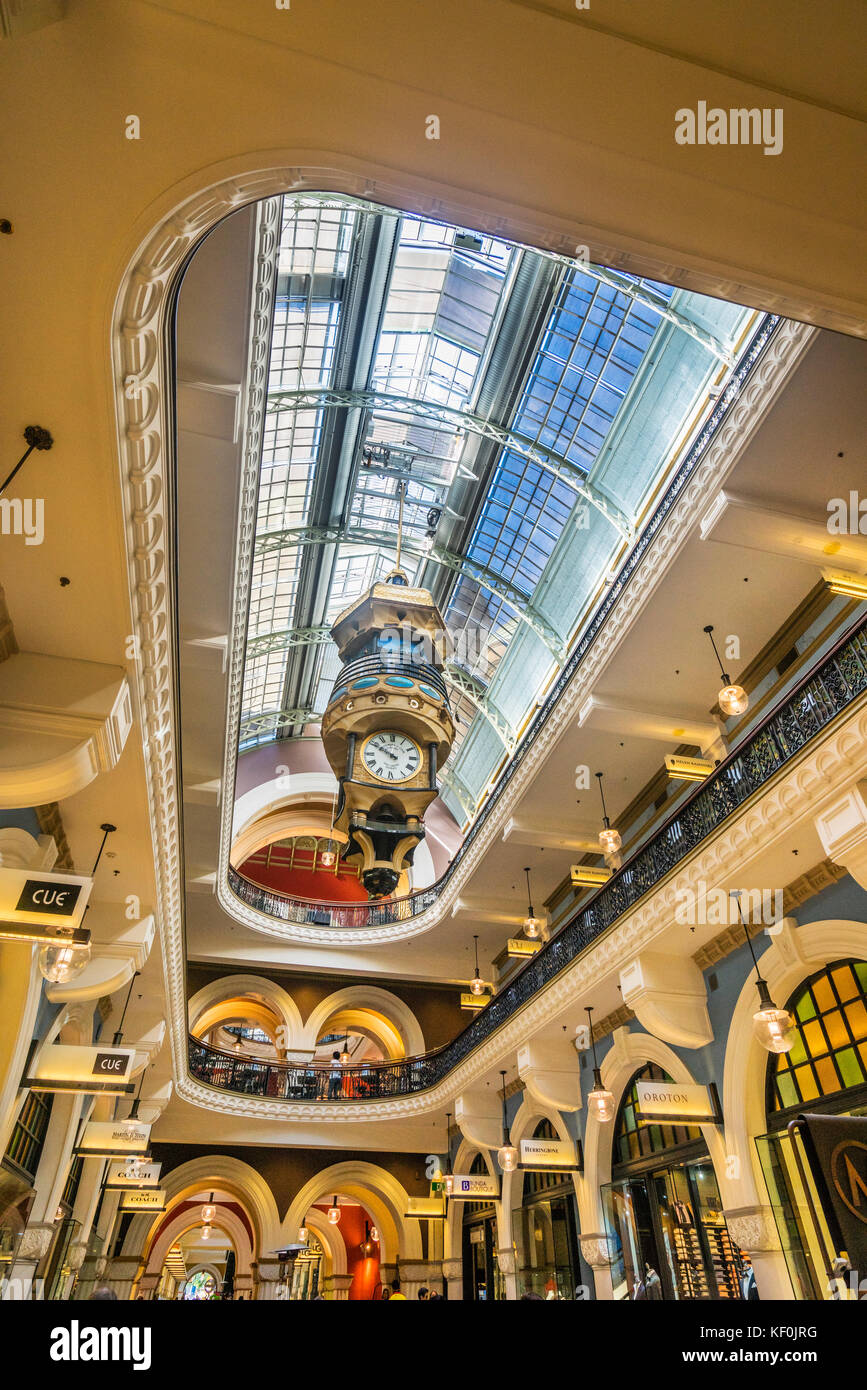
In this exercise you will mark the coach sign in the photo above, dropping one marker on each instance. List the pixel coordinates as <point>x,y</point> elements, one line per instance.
<point>88,1070</point>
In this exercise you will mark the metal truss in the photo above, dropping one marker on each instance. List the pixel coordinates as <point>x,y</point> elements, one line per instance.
<point>272,721</point>
<point>616,279</point>
<point>361,537</point>
<point>383,401</point>
<point>473,691</point>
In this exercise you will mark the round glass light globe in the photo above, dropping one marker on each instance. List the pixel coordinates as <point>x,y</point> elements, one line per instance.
<point>600,1103</point>
<point>507,1157</point>
<point>733,699</point>
<point>60,964</point>
<point>775,1029</point>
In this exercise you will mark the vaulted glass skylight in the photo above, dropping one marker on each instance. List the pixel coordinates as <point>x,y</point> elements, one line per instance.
<point>529,406</point>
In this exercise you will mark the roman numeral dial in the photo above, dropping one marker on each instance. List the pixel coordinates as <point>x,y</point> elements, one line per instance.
<point>391,757</point>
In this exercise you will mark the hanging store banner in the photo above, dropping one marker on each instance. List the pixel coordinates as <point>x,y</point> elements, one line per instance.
<point>87,1070</point>
<point>154,1200</point>
<point>39,899</point>
<point>836,1149</point>
<point>114,1138</point>
<point>668,1100</point>
<point>549,1155</point>
<point>144,1175</point>
<point>471,1187</point>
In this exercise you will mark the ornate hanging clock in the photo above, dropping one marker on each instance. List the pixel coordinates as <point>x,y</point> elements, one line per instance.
<point>388,727</point>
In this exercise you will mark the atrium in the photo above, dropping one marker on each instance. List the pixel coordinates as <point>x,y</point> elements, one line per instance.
<point>433,663</point>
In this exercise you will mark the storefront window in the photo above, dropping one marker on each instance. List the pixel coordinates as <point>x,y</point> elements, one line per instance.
<point>825,1072</point>
<point>545,1231</point>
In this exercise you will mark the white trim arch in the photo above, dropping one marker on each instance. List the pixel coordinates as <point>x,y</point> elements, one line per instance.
<point>527,1118</point>
<point>630,1052</point>
<point>359,999</point>
<point>255,988</point>
<point>216,1171</point>
<point>183,1221</point>
<point>330,1239</point>
<point>794,954</point>
<point>378,1191</point>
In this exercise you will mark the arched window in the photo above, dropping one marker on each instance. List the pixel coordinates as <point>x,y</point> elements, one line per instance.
<point>634,1141</point>
<point>830,1052</point>
<point>540,1182</point>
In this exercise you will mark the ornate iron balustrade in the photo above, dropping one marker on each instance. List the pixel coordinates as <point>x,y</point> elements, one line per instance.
<point>308,1081</point>
<point>822,695</point>
<point>303,913</point>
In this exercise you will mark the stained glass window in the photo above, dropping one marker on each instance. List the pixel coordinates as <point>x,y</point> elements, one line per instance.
<point>830,1053</point>
<point>633,1140</point>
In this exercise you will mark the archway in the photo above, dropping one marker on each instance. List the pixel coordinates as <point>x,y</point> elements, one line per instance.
<point>372,1011</point>
<point>255,997</point>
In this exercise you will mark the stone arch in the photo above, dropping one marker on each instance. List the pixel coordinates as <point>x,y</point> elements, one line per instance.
<point>330,1239</point>
<point>285,807</point>
<point>466,1154</point>
<point>208,1002</point>
<point>527,1118</point>
<point>226,1221</point>
<point>378,1191</point>
<point>391,1020</point>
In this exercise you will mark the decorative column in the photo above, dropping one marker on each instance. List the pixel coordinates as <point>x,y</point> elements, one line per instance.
<point>420,1274</point>
<point>33,1247</point>
<point>508,1264</point>
<point>336,1286</point>
<point>754,1230</point>
<point>266,1277</point>
<point>453,1273</point>
<point>596,1249</point>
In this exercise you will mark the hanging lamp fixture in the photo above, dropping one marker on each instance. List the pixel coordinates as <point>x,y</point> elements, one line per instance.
<point>328,856</point>
<point>374,1235</point>
<point>732,699</point>
<point>609,840</point>
<point>507,1154</point>
<point>477,984</point>
<point>448,1176</point>
<point>774,1028</point>
<point>62,962</point>
<point>209,1211</point>
<point>334,1212</point>
<point>600,1103</point>
<point>345,1056</point>
<point>532,923</point>
<point>303,1232</point>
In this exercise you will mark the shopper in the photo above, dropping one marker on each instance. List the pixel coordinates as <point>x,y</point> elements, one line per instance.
<point>335,1077</point>
<point>395,1291</point>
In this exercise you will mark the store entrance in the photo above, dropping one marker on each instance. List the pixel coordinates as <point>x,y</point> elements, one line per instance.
<point>663,1211</point>
<point>671,1235</point>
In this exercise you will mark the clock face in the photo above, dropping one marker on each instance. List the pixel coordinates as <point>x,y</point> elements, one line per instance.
<point>391,757</point>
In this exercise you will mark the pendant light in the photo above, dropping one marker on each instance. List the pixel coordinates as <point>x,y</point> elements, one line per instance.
<point>507,1155</point>
<point>732,699</point>
<point>600,1103</point>
<point>334,1212</point>
<point>327,857</point>
<point>477,984</point>
<point>59,964</point>
<point>774,1028</point>
<point>345,1056</point>
<point>448,1176</point>
<point>303,1233</point>
<point>367,1244</point>
<point>209,1211</point>
<point>374,1235</point>
<point>62,962</point>
<point>238,1046</point>
<point>532,924</point>
<point>609,840</point>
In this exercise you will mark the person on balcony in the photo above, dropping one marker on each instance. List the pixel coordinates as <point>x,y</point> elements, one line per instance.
<point>335,1077</point>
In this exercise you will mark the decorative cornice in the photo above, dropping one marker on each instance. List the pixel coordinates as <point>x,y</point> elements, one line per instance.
<point>806,886</point>
<point>145,420</point>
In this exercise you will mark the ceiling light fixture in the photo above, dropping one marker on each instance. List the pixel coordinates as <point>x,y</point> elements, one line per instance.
<point>732,699</point>
<point>62,961</point>
<point>448,1176</point>
<point>209,1212</point>
<point>303,1233</point>
<point>507,1154</point>
<point>609,840</point>
<point>345,1056</point>
<point>774,1028</point>
<point>477,984</point>
<point>334,1212</point>
<point>600,1103</point>
<point>532,924</point>
<point>328,857</point>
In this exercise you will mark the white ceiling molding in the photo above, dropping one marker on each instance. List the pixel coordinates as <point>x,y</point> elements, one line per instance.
<point>145,422</point>
<point>62,723</point>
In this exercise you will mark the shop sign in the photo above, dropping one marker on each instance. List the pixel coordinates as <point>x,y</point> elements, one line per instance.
<point>474,1001</point>
<point>668,1100</point>
<point>549,1155</point>
<point>122,1175</point>
<point>114,1138</point>
<point>836,1149</point>
<point>88,1070</point>
<point>470,1187</point>
<point>520,946</point>
<point>58,899</point>
<point>428,1208</point>
<point>155,1200</point>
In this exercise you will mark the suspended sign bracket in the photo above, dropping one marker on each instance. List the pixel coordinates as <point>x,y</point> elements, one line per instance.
<point>86,1070</point>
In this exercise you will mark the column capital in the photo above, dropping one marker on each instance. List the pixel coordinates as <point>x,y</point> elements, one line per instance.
<point>753,1229</point>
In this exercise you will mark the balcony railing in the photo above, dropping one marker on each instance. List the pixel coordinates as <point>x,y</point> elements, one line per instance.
<point>823,694</point>
<point>369,667</point>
